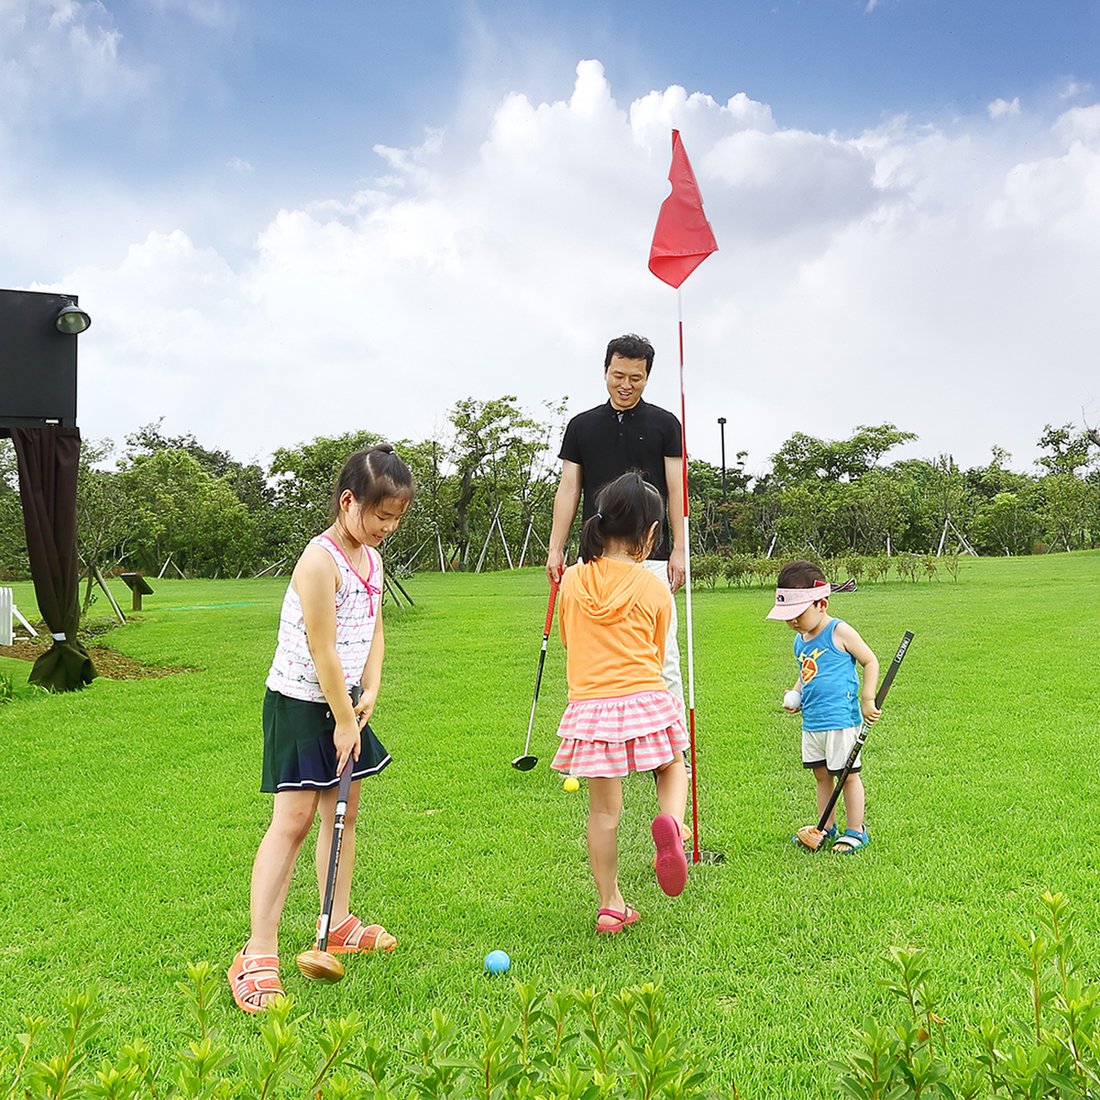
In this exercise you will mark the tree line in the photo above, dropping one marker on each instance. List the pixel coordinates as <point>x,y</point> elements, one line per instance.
<point>485,489</point>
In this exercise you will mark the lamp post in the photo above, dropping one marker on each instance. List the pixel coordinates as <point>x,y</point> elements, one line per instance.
<point>722,428</point>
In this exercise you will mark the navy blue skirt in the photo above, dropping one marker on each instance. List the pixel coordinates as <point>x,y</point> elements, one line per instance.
<point>299,752</point>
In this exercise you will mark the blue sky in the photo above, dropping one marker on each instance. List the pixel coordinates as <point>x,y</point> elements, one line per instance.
<point>906,196</point>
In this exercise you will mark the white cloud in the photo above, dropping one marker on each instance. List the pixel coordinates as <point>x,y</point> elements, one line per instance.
<point>937,280</point>
<point>59,56</point>
<point>1000,108</point>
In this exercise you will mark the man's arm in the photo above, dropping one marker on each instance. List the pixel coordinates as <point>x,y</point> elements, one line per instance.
<point>566,500</point>
<point>674,482</point>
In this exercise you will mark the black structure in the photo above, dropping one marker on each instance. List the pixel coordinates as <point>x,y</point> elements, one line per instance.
<point>38,410</point>
<point>138,585</point>
<point>37,362</point>
<point>722,429</point>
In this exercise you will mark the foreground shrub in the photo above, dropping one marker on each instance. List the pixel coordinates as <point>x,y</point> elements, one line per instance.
<point>1053,1051</point>
<point>576,1044</point>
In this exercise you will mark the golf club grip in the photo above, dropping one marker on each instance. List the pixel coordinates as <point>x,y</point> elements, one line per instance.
<point>550,609</point>
<point>892,671</point>
<point>865,729</point>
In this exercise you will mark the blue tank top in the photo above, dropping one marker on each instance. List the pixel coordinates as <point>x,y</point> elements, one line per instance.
<point>830,685</point>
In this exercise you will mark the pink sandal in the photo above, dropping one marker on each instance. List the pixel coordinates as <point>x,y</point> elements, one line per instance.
<point>671,863</point>
<point>254,981</point>
<point>352,937</point>
<point>628,916</point>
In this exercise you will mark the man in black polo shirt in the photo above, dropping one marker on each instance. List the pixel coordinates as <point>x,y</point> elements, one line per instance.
<point>625,433</point>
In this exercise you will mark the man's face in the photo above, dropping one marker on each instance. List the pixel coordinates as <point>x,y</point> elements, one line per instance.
<point>626,379</point>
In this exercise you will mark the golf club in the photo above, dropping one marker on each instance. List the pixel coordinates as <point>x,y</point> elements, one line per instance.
<point>810,837</point>
<point>317,963</point>
<point>526,762</point>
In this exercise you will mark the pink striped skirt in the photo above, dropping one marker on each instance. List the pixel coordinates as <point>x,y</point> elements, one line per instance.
<point>609,738</point>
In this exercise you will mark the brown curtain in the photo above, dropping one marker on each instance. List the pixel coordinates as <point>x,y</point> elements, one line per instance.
<point>49,458</point>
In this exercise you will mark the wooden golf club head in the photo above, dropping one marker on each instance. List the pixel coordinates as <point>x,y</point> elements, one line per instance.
<point>525,763</point>
<point>811,837</point>
<point>320,966</point>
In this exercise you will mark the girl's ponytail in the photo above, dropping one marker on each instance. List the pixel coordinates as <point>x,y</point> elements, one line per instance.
<point>592,544</point>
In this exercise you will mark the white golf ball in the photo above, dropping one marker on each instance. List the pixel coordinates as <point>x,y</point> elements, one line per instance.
<point>792,700</point>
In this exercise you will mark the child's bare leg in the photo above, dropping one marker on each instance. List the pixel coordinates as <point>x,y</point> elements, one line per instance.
<point>605,807</point>
<point>825,785</point>
<point>854,801</point>
<point>341,903</point>
<point>291,818</point>
<point>672,792</point>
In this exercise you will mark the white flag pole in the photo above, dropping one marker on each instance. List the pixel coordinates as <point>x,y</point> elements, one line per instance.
<point>687,588</point>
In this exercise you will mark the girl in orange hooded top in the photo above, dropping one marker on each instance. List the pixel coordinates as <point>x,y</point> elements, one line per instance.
<point>614,617</point>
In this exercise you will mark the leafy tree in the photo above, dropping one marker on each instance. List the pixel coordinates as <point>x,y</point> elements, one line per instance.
<point>808,518</point>
<point>493,452</point>
<point>1064,512</point>
<point>873,510</point>
<point>718,515</point>
<point>14,563</point>
<point>104,513</point>
<point>1006,524</point>
<point>182,510</point>
<point>805,458</point>
<point>1069,451</point>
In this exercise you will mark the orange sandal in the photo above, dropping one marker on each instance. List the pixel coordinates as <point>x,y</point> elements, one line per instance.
<point>352,937</point>
<point>254,981</point>
<point>628,916</point>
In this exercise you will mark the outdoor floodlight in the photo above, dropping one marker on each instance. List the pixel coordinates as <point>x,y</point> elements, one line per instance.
<point>71,319</point>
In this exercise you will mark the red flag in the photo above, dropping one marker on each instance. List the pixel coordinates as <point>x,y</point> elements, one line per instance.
<point>683,238</point>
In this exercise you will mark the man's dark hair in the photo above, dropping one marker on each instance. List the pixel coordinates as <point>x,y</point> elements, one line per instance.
<point>630,346</point>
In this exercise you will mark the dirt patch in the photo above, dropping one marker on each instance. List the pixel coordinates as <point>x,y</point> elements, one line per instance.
<point>108,662</point>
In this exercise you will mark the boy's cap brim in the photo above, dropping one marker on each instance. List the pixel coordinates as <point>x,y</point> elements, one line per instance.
<point>791,602</point>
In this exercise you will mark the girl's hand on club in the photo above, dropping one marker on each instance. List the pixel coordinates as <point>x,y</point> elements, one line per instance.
<point>365,707</point>
<point>870,711</point>
<point>347,746</point>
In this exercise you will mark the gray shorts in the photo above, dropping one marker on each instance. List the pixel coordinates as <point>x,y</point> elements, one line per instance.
<point>829,749</point>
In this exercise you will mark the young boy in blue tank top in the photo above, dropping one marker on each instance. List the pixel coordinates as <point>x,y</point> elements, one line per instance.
<point>828,693</point>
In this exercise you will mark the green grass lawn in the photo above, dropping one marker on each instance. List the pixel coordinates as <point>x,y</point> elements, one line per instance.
<point>131,814</point>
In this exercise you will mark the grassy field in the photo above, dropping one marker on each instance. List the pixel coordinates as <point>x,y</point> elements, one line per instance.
<point>131,814</point>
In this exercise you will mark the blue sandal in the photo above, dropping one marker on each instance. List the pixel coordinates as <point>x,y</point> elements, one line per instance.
<point>853,840</point>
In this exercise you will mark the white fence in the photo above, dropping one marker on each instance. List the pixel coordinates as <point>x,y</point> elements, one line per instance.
<point>8,612</point>
<point>6,607</point>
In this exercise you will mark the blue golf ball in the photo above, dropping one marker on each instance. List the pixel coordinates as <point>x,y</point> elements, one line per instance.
<point>497,962</point>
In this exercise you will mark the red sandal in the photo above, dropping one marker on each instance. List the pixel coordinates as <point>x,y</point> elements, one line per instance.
<point>351,937</point>
<point>254,981</point>
<point>628,916</point>
<point>670,862</point>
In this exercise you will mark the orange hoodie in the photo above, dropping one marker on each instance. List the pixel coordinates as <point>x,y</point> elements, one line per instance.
<point>613,618</point>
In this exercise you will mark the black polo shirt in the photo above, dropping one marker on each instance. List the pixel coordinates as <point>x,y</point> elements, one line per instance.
<point>605,446</point>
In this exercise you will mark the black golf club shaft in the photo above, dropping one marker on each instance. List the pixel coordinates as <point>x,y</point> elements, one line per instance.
<point>343,791</point>
<point>865,729</point>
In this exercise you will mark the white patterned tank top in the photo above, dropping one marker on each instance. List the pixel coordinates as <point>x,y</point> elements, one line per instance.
<point>358,599</point>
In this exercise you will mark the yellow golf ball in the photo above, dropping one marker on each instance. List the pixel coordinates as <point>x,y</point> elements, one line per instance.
<point>571,784</point>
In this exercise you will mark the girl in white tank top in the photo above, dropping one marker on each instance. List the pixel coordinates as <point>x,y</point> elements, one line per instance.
<point>330,647</point>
